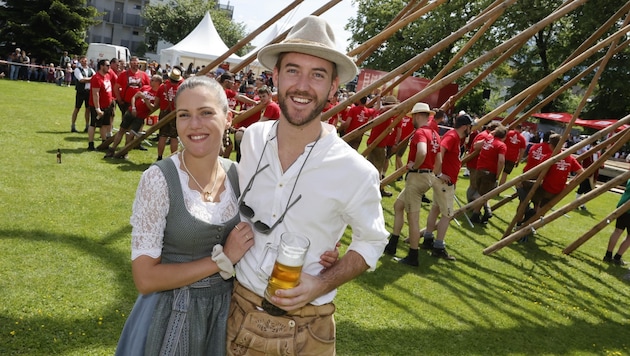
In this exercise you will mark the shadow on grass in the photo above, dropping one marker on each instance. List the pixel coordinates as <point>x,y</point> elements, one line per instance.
<point>51,332</point>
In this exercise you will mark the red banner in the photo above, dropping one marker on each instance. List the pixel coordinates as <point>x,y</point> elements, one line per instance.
<point>408,87</point>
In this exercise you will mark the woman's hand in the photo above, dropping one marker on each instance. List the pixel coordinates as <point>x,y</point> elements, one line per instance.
<point>329,258</point>
<point>240,240</point>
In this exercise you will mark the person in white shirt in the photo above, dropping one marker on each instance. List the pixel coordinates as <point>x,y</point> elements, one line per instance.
<point>297,175</point>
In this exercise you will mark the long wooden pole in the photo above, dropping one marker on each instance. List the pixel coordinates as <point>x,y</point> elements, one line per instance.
<point>411,7</point>
<point>245,62</point>
<point>424,56</point>
<point>250,37</point>
<point>556,214</point>
<point>597,228</point>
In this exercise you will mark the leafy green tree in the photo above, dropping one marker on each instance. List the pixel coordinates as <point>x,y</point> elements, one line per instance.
<point>174,20</point>
<point>46,28</point>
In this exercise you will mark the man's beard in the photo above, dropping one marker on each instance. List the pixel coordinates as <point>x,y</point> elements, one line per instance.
<point>300,121</point>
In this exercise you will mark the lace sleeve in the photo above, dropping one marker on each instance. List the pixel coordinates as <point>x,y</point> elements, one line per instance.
<point>148,218</point>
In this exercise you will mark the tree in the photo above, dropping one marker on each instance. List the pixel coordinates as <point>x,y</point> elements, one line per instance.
<point>46,28</point>
<point>538,57</point>
<point>174,20</point>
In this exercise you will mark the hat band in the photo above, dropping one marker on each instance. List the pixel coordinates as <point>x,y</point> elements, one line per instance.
<point>306,42</point>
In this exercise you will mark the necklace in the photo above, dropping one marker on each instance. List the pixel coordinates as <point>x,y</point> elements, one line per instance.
<point>207,195</point>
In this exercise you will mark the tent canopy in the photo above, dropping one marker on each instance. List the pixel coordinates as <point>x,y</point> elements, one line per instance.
<point>566,118</point>
<point>202,46</point>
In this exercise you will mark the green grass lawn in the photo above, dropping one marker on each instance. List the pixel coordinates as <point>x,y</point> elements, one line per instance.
<point>66,286</point>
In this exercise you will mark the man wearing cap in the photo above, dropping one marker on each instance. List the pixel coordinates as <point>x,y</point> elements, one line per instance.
<point>444,188</point>
<point>166,93</point>
<point>424,149</point>
<point>297,175</point>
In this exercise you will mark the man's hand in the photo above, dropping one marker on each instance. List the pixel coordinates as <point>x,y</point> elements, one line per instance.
<point>310,287</point>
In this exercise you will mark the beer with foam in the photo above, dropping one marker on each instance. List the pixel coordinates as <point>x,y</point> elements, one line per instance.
<point>288,266</point>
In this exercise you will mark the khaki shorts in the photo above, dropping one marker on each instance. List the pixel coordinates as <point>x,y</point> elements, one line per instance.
<point>472,179</point>
<point>309,330</point>
<point>444,197</point>
<point>416,185</point>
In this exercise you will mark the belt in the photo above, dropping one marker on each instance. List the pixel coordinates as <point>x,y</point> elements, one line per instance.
<point>424,170</point>
<point>305,311</point>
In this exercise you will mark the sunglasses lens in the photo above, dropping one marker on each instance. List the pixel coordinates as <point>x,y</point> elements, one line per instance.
<point>262,227</point>
<point>246,210</point>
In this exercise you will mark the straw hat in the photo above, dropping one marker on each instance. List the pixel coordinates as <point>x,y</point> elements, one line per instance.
<point>315,37</point>
<point>421,108</point>
<point>176,75</point>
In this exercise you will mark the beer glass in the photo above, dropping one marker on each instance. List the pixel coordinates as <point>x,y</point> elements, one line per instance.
<point>288,266</point>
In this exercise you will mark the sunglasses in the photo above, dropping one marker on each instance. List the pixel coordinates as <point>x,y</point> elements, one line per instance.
<point>249,213</point>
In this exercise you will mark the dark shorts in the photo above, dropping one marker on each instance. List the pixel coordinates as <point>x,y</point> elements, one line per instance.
<point>105,120</point>
<point>585,186</point>
<point>170,129</point>
<point>485,181</point>
<point>131,122</point>
<point>401,150</point>
<point>623,222</point>
<point>540,197</point>
<point>509,166</point>
<point>81,98</point>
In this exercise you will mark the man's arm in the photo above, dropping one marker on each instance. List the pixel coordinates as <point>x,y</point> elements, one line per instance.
<point>421,154</point>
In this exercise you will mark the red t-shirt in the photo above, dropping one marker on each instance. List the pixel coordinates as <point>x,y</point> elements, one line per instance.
<point>377,130</point>
<point>427,135</point>
<point>514,142</point>
<point>489,154</point>
<point>271,111</point>
<point>556,178</point>
<point>231,96</point>
<point>104,86</point>
<point>358,116</point>
<point>130,83</point>
<point>434,125</point>
<point>450,161</point>
<point>142,111</point>
<point>472,163</point>
<point>538,153</point>
<point>334,120</point>
<point>166,93</point>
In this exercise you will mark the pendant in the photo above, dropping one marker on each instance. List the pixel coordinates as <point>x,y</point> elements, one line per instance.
<point>208,196</point>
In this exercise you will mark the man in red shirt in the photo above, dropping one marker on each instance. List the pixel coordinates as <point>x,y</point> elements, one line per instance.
<point>424,151</point>
<point>490,163</point>
<point>144,102</point>
<point>403,130</point>
<point>473,149</point>
<point>101,103</point>
<point>556,179</point>
<point>270,111</point>
<point>444,187</point>
<point>516,145</point>
<point>378,155</point>
<point>357,117</point>
<point>227,82</point>
<point>166,93</point>
<point>128,84</point>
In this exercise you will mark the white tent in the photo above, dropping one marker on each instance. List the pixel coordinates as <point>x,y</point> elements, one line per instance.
<point>274,32</point>
<point>202,46</point>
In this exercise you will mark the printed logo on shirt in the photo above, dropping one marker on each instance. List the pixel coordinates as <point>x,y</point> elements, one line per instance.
<point>563,165</point>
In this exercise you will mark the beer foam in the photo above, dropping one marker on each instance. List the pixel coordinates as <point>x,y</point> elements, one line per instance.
<point>290,258</point>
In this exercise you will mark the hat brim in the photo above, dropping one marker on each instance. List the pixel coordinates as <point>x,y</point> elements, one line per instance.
<point>430,112</point>
<point>346,69</point>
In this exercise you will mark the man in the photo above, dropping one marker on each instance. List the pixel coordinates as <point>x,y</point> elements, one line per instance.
<point>516,144</point>
<point>129,83</point>
<point>114,71</point>
<point>622,223</point>
<point>144,102</point>
<point>490,163</point>
<point>378,155</point>
<point>357,116</point>
<point>101,103</point>
<point>82,73</point>
<point>227,82</point>
<point>286,174</point>
<point>166,93</point>
<point>270,111</point>
<point>444,187</point>
<point>424,149</point>
<point>474,149</point>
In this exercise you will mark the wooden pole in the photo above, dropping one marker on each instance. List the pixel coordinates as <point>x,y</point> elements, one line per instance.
<point>245,62</point>
<point>556,214</point>
<point>597,228</point>
<point>424,56</point>
<point>250,37</point>
<point>411,7</point>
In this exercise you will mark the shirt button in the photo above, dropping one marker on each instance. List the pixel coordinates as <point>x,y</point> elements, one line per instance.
<point>291,323</point>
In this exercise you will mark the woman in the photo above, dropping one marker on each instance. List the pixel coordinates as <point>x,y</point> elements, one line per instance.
<point>186,235</point>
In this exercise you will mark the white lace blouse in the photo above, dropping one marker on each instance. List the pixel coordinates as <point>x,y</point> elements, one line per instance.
<point>151,205</point>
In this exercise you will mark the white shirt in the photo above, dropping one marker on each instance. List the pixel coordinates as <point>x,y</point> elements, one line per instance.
<point>339,187</point>
<point>88,74</point>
